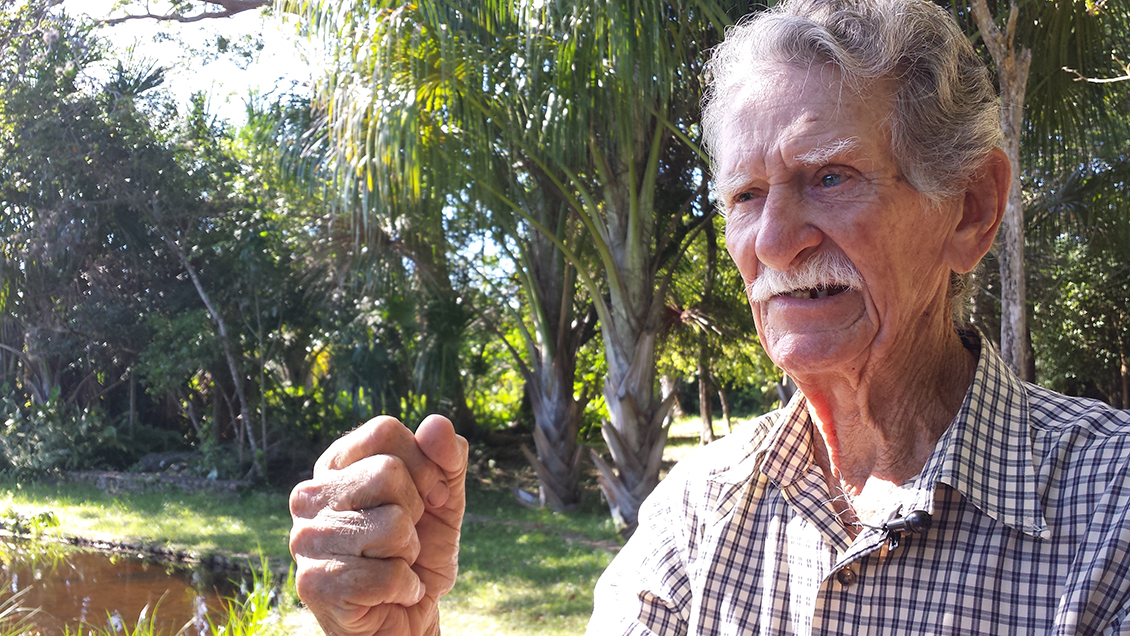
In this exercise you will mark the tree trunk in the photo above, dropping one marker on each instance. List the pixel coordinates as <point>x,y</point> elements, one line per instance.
<point>132,401</point>
<point>1012,64</point>
<point>1125,372</point>
<point>666,389</point>
<point>217,411</point>
<point>222,9</point>
<point>557,420</point>
<point>233,417</point>
<point>233,368</point>
<point>786,388</point>
<point>705,393</point>
<point>725,409</point>
<point>636,430</point>
<point>262,375</point>
<point>705,377</point>
<point>1123,369</point>
<point>550,288</point>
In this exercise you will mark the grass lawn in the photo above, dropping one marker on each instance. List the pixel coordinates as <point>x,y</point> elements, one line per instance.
<point>200,523</point>
<point>522,571</point>
<point>526,571</point>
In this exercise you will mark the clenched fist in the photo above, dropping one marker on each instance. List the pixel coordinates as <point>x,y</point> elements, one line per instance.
<point>376,531</point>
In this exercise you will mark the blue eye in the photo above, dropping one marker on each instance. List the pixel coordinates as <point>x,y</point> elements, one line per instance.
<point>831,180</point>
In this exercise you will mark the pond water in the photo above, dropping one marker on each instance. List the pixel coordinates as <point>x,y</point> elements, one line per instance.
<point>71,588</point>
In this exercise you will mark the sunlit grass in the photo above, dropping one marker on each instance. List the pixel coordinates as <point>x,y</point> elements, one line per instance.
<point>522,572</point>
<point>526,571</point>
<point>199,523</point>
<point>685,433</point>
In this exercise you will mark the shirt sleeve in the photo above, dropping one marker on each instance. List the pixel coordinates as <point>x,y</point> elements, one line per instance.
<point>646,591</point>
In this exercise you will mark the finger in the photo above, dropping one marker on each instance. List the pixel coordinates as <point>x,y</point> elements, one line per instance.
<point>383,436</point>
<point>378,533</point>
<point>384,620</point>
<point>367,483</point>
<point>343,584</point>
<point>438,562</point>
<point>438,441</point>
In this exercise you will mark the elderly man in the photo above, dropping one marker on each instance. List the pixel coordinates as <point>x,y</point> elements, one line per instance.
<point>913,485</point>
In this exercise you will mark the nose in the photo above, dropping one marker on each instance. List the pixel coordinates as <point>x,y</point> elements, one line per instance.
<point>785,234</point>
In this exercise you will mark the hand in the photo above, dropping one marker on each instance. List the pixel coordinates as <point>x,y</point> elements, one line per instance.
<point>376,531</point>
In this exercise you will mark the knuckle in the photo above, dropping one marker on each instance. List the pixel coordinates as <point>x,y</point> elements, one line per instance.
<point>303,540</point>
<point>398,528</point>
<point>384,429</point>
<point>401,521</point>
<point>390,467</point>
<point>331,459</point>
<point>409,538</point>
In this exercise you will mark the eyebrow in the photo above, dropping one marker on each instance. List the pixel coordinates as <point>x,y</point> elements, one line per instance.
<point>823,154</point>
<point>725,186</point>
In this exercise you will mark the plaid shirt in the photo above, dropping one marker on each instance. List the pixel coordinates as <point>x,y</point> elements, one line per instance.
<point>1029,493</point>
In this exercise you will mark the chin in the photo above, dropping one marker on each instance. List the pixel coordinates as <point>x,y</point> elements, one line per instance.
<point>814,354</point>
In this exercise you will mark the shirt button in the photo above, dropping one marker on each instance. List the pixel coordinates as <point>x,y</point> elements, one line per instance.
<point>846,576</point>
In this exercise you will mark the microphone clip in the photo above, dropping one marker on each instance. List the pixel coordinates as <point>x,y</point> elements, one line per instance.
<point>914,522</point>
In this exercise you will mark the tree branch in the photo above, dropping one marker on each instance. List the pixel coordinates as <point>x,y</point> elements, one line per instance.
<point>1079,77</point>
<point>992,36</point>
<point>229,8</point>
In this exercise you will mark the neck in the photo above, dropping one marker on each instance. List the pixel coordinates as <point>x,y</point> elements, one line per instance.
<point>875,428</point>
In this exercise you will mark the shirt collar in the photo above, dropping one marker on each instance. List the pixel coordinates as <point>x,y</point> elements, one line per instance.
<point>785,452</point>
<point>985,454</point>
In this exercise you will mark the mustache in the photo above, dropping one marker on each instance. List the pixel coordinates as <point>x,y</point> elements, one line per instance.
<point>821,270</point>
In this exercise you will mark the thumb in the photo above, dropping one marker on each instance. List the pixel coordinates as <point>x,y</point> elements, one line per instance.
<point>438,441</point>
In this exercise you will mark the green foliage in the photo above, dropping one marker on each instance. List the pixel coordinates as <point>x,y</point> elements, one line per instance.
<point>15,620</point>
<point>39,439</point>
<point>495,386</point>
<point>105,181</point>
<point>255,611</point>
<point>182,344</point>
<point>1081,333</point>
<point>29,541</point>
<point>34,525</point>
<point>1079,256</point>
<point>712,327</point>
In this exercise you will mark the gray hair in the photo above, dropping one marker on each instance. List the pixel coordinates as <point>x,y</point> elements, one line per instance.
<point>946,115</point>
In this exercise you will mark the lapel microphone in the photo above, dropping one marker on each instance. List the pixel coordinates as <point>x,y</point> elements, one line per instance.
<point>915,522</point>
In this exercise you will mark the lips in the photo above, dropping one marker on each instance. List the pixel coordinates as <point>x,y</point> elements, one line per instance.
<point>821,291</point>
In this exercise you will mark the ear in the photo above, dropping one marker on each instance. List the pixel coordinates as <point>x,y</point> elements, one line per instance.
<point>981,211</point>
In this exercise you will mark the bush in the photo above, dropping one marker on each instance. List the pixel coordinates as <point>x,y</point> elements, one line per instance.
<point>40,439</point>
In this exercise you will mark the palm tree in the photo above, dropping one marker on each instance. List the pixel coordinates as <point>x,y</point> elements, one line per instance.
<point>1038,54</point>
<point>590,107</point>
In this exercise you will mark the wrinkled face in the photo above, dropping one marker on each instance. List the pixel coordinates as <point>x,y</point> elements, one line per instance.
<point>845,260</point>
